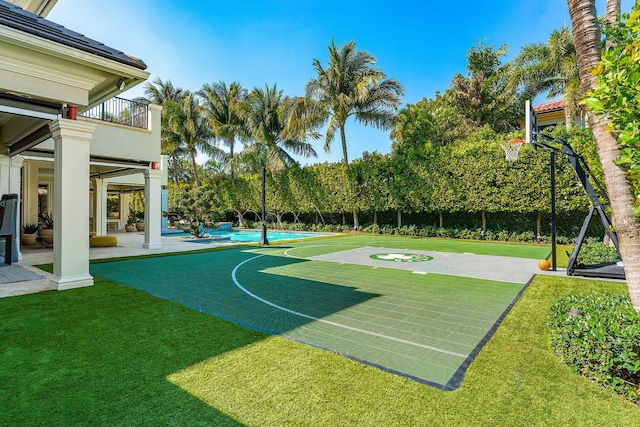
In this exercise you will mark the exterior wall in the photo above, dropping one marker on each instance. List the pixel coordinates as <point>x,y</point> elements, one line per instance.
<point>550,118</point>
<point>45,75</point>
<point>137,179</point>
<point>117,141</point>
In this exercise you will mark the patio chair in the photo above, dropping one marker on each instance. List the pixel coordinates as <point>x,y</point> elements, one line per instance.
<point>8,227</point>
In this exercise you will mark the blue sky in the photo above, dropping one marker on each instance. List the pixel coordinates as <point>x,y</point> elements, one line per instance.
<point>423,44</point>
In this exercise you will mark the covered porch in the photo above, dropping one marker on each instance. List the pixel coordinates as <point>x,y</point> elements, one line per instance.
<point>66,137</point>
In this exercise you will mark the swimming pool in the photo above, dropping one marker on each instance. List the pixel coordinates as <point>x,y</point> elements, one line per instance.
<point>248,236</point>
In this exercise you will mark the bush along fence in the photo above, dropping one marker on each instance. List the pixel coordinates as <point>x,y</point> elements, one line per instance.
<point>462,188</point>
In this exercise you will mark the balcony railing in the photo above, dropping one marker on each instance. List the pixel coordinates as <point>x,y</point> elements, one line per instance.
<point>121,111</point>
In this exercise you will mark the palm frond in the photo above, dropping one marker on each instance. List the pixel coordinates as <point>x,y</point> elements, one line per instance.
<point>349,85</point>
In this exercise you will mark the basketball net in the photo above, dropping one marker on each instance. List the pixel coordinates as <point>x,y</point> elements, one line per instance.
<point>512,148</point>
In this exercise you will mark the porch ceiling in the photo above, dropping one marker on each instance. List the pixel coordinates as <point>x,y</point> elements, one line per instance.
<point>24,122</point>
<point>98,167</point>
<point>39,7</point>
<point>128,184</point>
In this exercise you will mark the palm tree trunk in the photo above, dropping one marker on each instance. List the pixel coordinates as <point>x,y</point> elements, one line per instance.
<point>345,158</point>
<point>613,13</point>
<point>568,120</point>
<point>195,169</point>
<point>263,235</point>
<point>175,168</point>
<point>586,34</point>
<point>233,173</point>
<point>343,139</point>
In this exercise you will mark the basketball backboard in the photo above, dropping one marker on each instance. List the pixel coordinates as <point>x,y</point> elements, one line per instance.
<point>531,122</point>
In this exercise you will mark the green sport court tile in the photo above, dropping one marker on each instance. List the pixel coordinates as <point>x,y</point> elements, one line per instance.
<point>381,316</point>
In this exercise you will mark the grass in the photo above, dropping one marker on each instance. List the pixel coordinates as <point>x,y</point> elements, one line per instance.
<point>111,355</point>
<point>562,255</point>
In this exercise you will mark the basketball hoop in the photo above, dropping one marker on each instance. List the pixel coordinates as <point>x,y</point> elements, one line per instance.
<point>512,148</point>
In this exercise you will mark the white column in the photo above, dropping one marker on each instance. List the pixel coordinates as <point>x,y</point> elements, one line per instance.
<point>30,193</point>
<point>152,209</point>
<point>10,184</point>
<point>100,206</point>
<point>124,209</point>
<point>10,174</point>
<point>71,140</point>
<point>5,175</point>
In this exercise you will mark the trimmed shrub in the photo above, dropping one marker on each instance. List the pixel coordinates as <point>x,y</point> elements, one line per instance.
<point>594,252</point>
<point>598,335</point>
<point>415,230</point>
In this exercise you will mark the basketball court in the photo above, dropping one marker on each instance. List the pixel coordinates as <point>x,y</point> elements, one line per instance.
<point>423,314</point>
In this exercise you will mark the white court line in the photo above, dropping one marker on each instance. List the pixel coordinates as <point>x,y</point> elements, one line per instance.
<point>351,328</point>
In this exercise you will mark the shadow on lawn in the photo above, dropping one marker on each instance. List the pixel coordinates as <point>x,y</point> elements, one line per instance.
<point>102,356</point>
<point>262,295</point>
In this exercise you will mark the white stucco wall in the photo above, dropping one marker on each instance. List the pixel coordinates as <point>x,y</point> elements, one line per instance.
<point>114,141</point>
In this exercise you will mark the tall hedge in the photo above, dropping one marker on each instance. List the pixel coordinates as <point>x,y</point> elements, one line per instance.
<point>464,182</point>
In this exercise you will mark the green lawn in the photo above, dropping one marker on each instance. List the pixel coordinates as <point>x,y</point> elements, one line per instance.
<point>111,355</point>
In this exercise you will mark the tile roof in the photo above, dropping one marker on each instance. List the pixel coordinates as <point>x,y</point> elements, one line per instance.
<point>556,105</point>
<point>19,19</point>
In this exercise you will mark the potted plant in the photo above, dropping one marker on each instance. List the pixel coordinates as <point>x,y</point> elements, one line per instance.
<point>140,221</point>
<point>46,231</point>
<point>29,234</point>
<point>131,224</point>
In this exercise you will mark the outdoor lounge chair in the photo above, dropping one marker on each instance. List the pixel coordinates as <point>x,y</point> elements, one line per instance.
<point>8,226</point>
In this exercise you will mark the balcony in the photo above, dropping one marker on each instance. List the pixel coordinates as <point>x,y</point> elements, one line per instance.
<point>121,111</point>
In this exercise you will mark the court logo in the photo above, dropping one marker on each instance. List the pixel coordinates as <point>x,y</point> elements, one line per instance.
<point>402,257</point>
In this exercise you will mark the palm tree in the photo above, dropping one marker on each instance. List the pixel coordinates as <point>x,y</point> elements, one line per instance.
<point>586,33</point>
<point>484,97</point>
<point>350,86</point>
<point>612,16</point>
<point>222,105</point>
<point>163,94</point>
<point>551,67</point>
<point>267,112</point>
<point>159,92</point>
<point>188,122</point>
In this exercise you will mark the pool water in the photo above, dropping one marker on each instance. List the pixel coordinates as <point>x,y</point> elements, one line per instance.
<point>249,236</point>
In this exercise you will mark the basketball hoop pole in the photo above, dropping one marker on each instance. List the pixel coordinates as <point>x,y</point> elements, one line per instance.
<point>581,168</point>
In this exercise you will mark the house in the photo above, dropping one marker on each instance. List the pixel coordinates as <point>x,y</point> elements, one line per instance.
<point>67,139</point>
<point>552,112</point>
